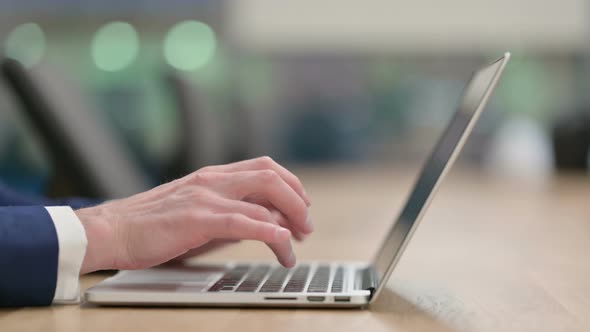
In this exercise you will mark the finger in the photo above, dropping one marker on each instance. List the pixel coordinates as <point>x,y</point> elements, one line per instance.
<point>204,249</point>
<point>258,212</point>
<point>263,163</point>
<point>276,215</point>
<point>251,210</point>
<point>238,226</point>
<point>282,250</point>
<point>282,221</point>
<point>270,186</point>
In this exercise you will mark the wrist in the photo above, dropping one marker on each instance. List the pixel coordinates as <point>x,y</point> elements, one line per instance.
<point>99,234</point>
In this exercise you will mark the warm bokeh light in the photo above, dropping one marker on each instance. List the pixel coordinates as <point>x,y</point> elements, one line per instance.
<point>115,46</point>
<point>189,45</point>
<point>26,43</point>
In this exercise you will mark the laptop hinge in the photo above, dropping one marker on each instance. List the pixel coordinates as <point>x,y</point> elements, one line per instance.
<point>367,279</point>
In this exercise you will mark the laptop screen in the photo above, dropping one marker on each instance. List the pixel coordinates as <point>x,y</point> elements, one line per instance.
<point>474,98</point>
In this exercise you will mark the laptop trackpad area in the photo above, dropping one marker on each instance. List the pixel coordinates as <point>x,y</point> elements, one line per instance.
<point>177,278</point>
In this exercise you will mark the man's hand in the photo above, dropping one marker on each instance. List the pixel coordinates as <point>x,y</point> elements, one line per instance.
<point>250,200</point>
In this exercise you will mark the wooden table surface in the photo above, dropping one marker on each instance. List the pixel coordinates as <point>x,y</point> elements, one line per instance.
<point>491,255</point>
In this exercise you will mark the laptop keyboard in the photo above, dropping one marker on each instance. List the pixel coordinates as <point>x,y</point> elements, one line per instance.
<point>263,278</point>
<point>230,279</point>
<point>254,279</point>
<point>321,279</point>
<point>298,279</point>
<point>338,282</point>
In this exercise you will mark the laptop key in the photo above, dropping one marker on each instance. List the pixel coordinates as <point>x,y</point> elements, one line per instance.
<point>338,282</point>
<point>230,279</point>
<point>275,281</point>
<point>298,279</point>
<point>254,278</point>
<point>320,280</point>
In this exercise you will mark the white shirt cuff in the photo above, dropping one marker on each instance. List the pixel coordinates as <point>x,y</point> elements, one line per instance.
<point>72,241</point>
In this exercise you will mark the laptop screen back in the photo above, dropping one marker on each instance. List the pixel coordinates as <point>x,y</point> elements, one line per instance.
<point>475,97</point>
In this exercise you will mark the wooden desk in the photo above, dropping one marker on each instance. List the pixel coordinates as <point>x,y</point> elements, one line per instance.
<point>491,255</point>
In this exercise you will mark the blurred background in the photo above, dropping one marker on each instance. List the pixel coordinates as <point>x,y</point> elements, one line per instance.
<point>180,84</point>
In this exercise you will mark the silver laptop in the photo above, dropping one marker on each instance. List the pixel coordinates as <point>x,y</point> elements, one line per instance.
<point>314,284</point>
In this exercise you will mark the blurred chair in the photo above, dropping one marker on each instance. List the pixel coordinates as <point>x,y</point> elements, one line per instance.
<point>88,158</point>
<point>204,139</point>
<point>571,140</point>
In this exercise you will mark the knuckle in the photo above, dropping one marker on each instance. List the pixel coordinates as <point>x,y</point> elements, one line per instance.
<point>231,221</point>
<point>263,213</point>
<point>200,177</point>
<point>206,178</point>
<point>266,161</point>
<point>268,176</point>
<point>205,169</point>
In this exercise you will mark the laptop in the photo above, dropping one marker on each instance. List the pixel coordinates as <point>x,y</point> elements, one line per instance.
<point>312,284</point>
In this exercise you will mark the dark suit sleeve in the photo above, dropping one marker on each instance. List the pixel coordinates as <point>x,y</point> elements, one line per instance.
<point>28,256</point>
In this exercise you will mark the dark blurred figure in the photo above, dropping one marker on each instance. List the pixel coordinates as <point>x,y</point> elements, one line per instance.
<point>571,140</point>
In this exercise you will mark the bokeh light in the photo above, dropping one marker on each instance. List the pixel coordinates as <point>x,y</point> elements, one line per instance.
<point>26,43</point>
<point>115,46</point>
<point>189,45</point>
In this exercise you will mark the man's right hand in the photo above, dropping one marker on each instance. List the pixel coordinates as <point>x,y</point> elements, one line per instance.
<point>254,199</point>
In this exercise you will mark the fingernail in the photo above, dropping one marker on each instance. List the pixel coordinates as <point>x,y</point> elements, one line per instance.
<point>300,236</point>
<point>306,198</point>
<point>309,225</point>
<point>282,234</point>
<point>291,260</point>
